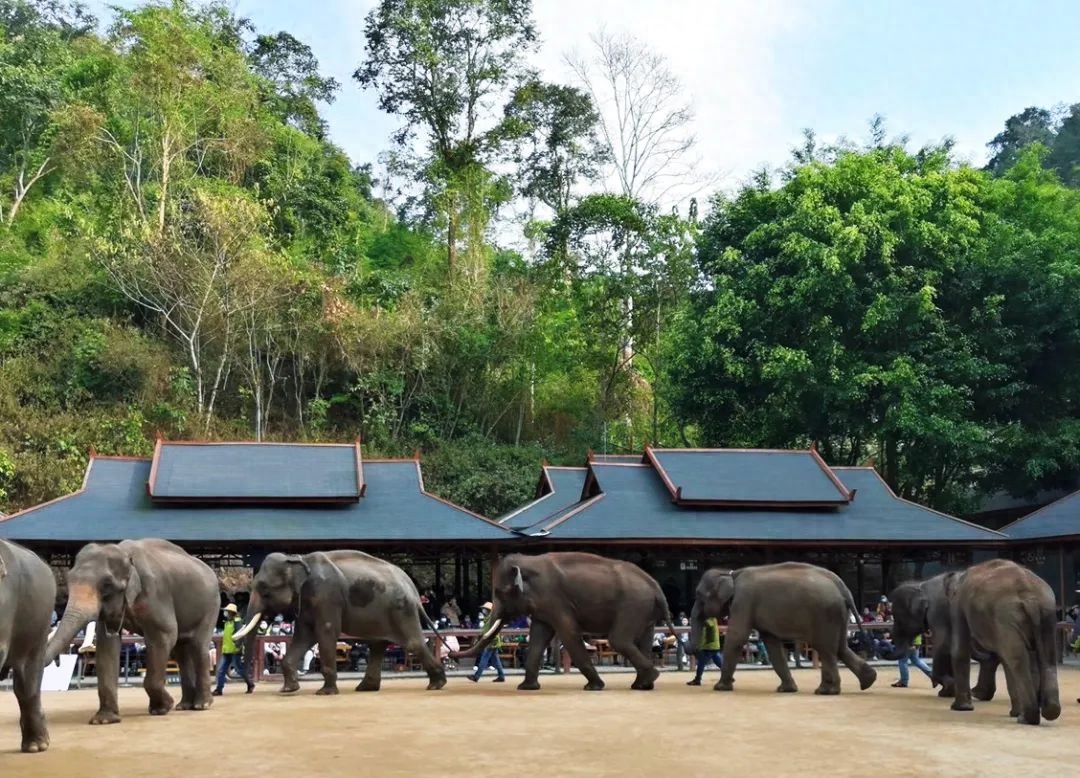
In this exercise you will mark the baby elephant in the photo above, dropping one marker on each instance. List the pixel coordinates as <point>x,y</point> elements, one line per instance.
<point>27,595</point>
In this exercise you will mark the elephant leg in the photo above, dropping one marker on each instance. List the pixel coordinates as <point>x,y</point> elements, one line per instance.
<point>778,660</point>
<point>859,666</point>
<point>303,640</point>
<point>941,670</point>
<point>737,634</point>
<point>647,675</point>
<point>1025,699</point>
<point>1011,689</point>
<point>986,687</point>
<point>26,677</point>
<point>575,646</point>
<point>830,672</point>
<point>200,661</point>
<point>627,645</point>
<point>1049,699</point>
<point>327,637</point>
<point>107,656</point>
<point>157,660</point>
<point>372,679</point>
<point>540,637</point>
<point>186,663</point>
<point>436,673</point>
<point>961,663</point>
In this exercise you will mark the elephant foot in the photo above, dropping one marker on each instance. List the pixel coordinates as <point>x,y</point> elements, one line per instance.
<point>160,703</point>
<point>947,691</point>
<point>1029,717</point>
<point>984,694</point>
<point>185,705</point>
<point>724,686</point>
<point>327,690</point>
<point>1014,713</point>
<point>528,686</point>
<point>867,676</point>
<point>961,705</point>
<point>289,687</point>
<point>105,717</point>
<point>36,744</point>
<point>787,688</point>
<point>368,686</point>
<point>594,686</point>
<point>646,680</point>
<point>827,689</point>
<point>1051,710</point>
<point>434,684</point>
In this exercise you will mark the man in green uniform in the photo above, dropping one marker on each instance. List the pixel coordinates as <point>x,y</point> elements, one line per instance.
<point>709,649</point>
<point>230,652</point>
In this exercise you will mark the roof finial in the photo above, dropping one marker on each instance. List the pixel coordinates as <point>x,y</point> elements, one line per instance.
<point>92,451</point>
<point>416,454</point>
<point>813,445</point>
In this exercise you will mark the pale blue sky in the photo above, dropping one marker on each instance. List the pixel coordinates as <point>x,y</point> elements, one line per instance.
<point>761,70</point>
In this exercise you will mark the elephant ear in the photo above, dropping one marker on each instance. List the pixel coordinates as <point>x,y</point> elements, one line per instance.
<point>134,586</point>
<point>299,570</point>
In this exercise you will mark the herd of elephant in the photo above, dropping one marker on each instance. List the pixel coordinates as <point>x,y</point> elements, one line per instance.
<point>995,612</point>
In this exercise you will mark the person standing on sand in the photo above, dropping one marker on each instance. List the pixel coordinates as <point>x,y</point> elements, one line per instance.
<point>230,652</point>
<point>490,655</point>
<point>709,649</point>
<point>913,657</point>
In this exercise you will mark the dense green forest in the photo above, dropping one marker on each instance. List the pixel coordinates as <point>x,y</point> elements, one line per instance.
<point>184,253</point>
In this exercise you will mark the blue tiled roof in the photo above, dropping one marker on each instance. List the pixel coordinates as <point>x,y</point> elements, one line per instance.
<point>562,488</point>
<point>114,505</point>
<point>255,472</point>
<point>635,504</point>
<point>739,476</point>
<point>1057,520</point>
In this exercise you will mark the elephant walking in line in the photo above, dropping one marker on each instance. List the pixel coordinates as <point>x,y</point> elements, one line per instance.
<point>921,605</point>
<point>1002,608</point>
<point>788,601</point>
<point>570,595</point>
<point>339,592</point>
<point>158,590</point>
<point>27,595</point>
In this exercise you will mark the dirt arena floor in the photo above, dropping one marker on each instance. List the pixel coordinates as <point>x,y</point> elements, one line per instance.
<point>494,730</point>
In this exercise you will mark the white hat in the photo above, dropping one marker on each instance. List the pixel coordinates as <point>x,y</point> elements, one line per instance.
<point>231,608</point>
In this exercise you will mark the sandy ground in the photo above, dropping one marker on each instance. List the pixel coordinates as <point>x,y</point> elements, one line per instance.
<point>495,730</point>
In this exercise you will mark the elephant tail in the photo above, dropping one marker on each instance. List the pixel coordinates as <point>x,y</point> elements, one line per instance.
<point>3,659</point>
<point>431,625</point>
<point>853,609</point>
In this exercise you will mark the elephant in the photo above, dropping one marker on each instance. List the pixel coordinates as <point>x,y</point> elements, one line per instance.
<point>571,594</point>
<point>334,592</point>
<point>158,590</point>
<point>783,602</point>
<point>921,605</point>
<point>1003,608</point>
<point>27,595</point>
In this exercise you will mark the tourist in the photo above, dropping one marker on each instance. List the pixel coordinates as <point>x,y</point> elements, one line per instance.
<point>451,611</point>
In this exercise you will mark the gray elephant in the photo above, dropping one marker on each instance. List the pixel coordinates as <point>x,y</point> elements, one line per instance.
<point>571,594</point>
<point>334,592</point>
<point>1003,608</point>
<point>790,601</point>
<point>921,605</point>
<point>158,590</point>
<point>27,596</point>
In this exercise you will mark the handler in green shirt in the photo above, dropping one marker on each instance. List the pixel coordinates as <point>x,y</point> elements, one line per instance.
<point>709,649</point>
<point>230,652</point>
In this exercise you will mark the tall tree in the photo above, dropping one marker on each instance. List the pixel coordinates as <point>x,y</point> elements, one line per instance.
<point>445,67</point>
<point>297,86</point>
<point>645,118</point>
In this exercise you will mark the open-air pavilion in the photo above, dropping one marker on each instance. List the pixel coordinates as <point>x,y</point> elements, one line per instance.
<point>673,511</point>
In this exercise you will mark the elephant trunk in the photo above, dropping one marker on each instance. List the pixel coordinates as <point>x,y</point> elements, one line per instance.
<point>496,625</point>
<point>250,634</point>
<point>697,626</point>
<point>900,650</point>
<point>82,608</point>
